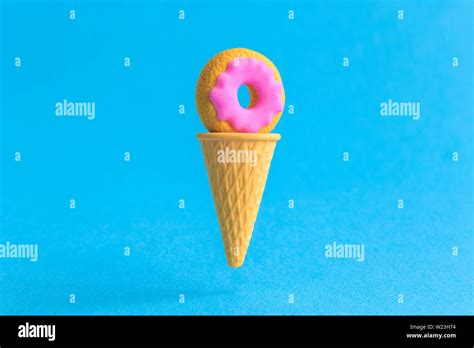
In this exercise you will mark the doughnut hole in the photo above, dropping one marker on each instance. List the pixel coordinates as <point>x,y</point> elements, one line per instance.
<point>247,96</point>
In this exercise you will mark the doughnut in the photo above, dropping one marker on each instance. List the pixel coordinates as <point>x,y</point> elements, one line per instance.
<point>217,93</point>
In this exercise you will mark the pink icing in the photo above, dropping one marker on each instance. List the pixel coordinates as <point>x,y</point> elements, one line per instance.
<point>253,72</point>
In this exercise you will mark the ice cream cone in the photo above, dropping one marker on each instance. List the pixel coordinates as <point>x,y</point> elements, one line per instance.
<point>237,166</point>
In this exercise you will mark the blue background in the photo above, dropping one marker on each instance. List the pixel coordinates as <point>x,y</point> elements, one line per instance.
<point>179,251</point>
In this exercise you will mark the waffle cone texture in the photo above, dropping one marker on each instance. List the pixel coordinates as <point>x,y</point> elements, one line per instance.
<point>237,187</point>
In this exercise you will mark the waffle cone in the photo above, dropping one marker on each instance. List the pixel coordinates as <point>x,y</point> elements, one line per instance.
<point>237,184</point>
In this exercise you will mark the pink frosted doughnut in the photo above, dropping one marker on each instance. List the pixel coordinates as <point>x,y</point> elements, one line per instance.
<point>224,97</point>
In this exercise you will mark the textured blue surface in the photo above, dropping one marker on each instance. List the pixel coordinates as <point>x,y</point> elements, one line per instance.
<point>176,251</point>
